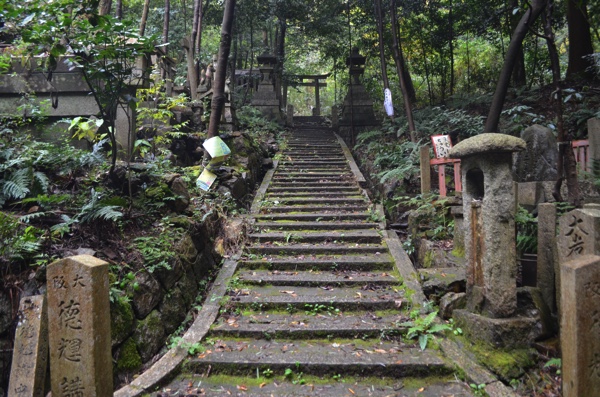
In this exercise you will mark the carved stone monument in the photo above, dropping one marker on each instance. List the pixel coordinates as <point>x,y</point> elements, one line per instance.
<point>79,327</point>
<point>30,354</point>
<point>579,255</point>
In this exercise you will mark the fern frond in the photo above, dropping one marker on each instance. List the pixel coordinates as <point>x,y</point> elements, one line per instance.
<point>41,181</point>
<point>107,213</point>
<point>429,319</point>
<point>29,217</point>
<point>16,186</point>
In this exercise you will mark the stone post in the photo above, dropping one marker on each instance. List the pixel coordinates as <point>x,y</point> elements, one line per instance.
<point>290,116</point>
<point>425,169</point>
<point>30,354</point>
<point>547,264</point>
<point>594,140</point>
<point>317,99</point>
<point>79,327</point>
<point>335,118</point>
<point>579,255</point>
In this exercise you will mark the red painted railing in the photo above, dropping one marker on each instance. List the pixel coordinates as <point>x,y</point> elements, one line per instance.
<point>580,149</point>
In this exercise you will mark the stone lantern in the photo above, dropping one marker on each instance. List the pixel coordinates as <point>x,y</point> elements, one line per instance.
<point>265,98</point>
<point>489,208</point>
<point>357,113</point>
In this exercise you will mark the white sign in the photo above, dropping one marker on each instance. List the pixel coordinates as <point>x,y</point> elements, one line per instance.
<point>387,102</point>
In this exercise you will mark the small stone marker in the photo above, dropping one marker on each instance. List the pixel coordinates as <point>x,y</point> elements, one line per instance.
<point>30,354</point>
<point>79,327</point>
<point>580,301</point>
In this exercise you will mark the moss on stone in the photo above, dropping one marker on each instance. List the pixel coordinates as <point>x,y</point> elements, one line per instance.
<point>428,260</point>
<point>459,252</point>
<point>507,364</point>
<point>121,314</point>
<point>129,358</point>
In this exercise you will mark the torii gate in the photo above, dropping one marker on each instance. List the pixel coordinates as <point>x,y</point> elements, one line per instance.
<point>313,81</point>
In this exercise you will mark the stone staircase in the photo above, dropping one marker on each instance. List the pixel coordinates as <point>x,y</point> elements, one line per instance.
<point>314,304</point>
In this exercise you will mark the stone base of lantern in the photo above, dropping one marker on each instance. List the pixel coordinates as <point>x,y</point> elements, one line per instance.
<point>532,322</point>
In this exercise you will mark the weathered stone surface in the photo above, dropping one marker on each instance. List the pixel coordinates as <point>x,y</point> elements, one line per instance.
<point>438,281</point>
<point>547,256</point>
<point>173,310</point>
<point>429,255</point>
<point>30,354</point>
<point>489,209</point>
<point>594,139</point>
<point>450,302</point>
<point>179,188</point>
<point>578,233</point>
<point>580,324</point>
<point>147,296</point>
<point>459,228</point>
<point>538,161</point>
<point>122,321</point>
<point>149,335</point>
<point>79,327</point>
<point>579,256</point>
<point>530,194</point>
<point>487,143</point>
<point>499,332</point>
<point>6,312</point>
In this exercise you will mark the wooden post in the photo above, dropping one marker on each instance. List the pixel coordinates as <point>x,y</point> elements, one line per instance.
<point>425,170</point>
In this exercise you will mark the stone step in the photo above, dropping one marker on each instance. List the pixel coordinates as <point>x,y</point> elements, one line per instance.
<point>316,208</point>
<point>315,216</point>
<point>319,225</point>
<point>277,385</point>
<point>373,358</point>
<point>311,249</point>
<point>316,200</point>
<point>313,186</point>
<point>355,236</point>
<point>303,192</point>
<point>343,298</point>
<point>368,262</point>
<point>316,278</point>
<point>309,323</point>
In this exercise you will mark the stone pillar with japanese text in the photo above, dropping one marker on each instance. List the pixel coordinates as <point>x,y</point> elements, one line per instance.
<point>30,354</point>
<point>579,256</point>
<point>79,327</point>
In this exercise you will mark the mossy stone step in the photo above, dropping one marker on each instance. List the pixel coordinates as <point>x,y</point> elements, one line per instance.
<point>344,298</point>
<point>357,236</point>
<point>347,192</point>
<point>370,262</point>
<point>310,323</point>
<point>344,386</point>
<point>318,225</point>
<point>314,216</point>
<point>300,208</point>
<point>319,200</point>
<point>321,278</point>
<point>318,358</point>
<point>312,249</point>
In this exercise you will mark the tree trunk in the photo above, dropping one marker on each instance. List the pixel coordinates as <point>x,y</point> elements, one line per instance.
<point>144,17</point>
<point>218,99</point>
<point>379,17</point>
<point>519,78</point>
<point>104,7</point>
<point>451,48</point>
<point>400,69</point>
<point>566,161</point>
<point>580,40</point>
<point>166,21</point>
<point>532,13</point>
<point>119,11</point>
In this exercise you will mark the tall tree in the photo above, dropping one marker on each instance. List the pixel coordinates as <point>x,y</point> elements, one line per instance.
<point>218,98</point>
<point>104,7</point>
<point>166,21</point>
<point>580,40</point>
<point>533,12</point>
<point>144,19</point>
<point>402,75</point>
<point>379,19</point>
